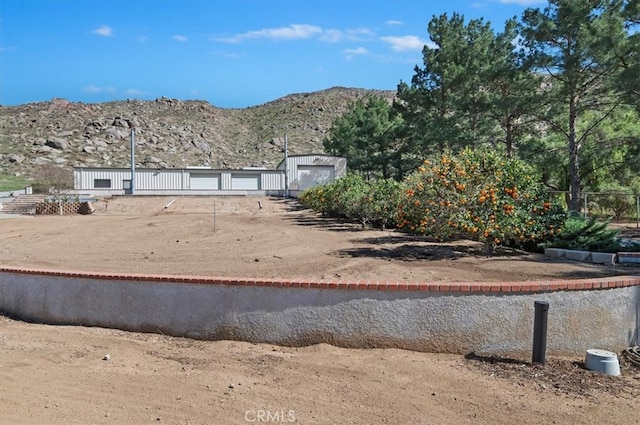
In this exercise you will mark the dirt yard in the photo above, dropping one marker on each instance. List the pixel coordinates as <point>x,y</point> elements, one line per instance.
<point>261,238</point>
<point>61,375</point>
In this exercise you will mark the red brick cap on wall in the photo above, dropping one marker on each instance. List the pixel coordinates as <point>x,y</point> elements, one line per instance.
<point>465,287</point>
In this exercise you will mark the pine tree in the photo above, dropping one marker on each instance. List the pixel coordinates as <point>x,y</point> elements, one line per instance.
<point>574,42</point>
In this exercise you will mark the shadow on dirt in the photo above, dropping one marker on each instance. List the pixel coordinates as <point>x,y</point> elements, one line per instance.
<point>426,251</point>
<point>494,359</point>
<point>395,245</point>
<point>596,271</point>
<point>401,246</point>
<point>403,253</point>
<point>290,205</point>
<point>315,220</point>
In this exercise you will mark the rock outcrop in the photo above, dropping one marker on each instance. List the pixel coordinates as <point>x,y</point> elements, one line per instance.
<point>169,133</point>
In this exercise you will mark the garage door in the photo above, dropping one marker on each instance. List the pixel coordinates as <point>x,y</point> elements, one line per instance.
<point>312,175</point>
<point>205,181</point>
<point>245,182</point>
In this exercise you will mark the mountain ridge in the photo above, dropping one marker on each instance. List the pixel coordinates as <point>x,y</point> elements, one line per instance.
<point>170,133</point>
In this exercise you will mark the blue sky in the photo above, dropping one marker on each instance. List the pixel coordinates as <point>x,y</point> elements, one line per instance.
<point>231,53</point>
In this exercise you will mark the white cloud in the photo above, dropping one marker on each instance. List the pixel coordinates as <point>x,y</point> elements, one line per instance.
<point>351,53</point>
<point>359,33</point>
<point>394,22</point>
<point>301,32</point>
<point>93,89</point>
<point>180,38</point>
<point>103,30</point>
<point>143,38</point>
<point>523,2</point>
<point>334,35</point>
<point>405,42</point>
<point>291,32</point>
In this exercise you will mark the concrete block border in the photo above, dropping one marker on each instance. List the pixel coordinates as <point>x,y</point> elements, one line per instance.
<point>629,257</point>
<point>604,258</point>
<point>594,257</point>
<point>555,252</point>
<point>486,318</point>
<point>571,254</point>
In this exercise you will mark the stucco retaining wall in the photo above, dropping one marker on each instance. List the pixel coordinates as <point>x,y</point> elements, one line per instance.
<point>488,319</point>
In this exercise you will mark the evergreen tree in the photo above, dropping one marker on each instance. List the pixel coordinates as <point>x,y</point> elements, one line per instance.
<point>438,114</point>
<point>513,90</point>
<point>574,42</point>
<point>629,55</point>
<point>609,156</point>
<point>367,136</point>
<point>474,89</point>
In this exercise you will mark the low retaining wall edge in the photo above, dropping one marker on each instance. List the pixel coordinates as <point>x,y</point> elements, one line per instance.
<point>488,319</point>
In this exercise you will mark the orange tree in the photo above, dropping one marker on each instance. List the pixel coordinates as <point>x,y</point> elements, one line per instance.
<point>479,195</point>
<point>385,195</point>
<point>373,202</point>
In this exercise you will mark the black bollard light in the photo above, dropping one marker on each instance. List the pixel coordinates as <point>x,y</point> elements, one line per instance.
<point>540,332</point>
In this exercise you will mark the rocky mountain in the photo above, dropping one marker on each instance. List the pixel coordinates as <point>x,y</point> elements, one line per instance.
<point>169,133</point>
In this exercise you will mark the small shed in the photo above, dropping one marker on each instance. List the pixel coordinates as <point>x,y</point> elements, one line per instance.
<point>305,171</point>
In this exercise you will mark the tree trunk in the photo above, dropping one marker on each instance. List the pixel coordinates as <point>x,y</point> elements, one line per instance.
<point>574,165</point>
<point>489,247</point>
<point>509,137</point>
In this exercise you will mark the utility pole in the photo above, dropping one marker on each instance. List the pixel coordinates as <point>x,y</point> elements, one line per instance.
<point>133,160</point>
<point>286,166</point>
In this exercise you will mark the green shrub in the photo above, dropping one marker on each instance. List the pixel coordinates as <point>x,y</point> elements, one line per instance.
<point>581,234</point>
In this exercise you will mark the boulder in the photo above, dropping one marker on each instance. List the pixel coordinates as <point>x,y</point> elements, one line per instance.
<point>57,143</point>
<point>42,149</point>
<point>120,122</point>
<point>117,133</point>
<point>41,161</point>
<point>16,158</point>
<point>86,208</point>
<point>94,126</point>
<point>203,146</point>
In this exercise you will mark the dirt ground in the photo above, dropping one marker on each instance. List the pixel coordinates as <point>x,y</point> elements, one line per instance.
<point>260,238</point>
<point>62,375</point>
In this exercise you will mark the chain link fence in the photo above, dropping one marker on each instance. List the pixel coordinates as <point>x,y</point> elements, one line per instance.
<point>615,206</point>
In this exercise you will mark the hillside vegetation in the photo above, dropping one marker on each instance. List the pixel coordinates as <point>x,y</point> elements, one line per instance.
<point>169,132</point>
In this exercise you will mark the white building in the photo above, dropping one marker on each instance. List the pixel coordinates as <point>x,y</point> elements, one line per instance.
<point>293,175</point>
